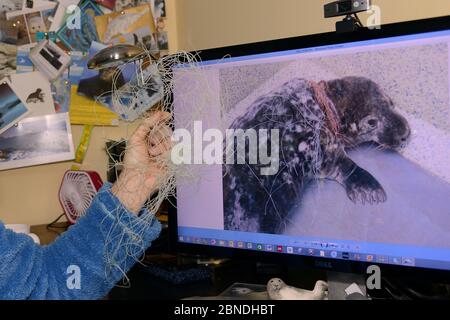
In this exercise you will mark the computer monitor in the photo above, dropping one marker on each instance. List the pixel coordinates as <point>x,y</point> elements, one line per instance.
<point>346,157</point>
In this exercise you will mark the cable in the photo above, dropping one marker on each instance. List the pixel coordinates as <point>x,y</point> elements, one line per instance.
<point>52,224</point>
<point>359,21</point>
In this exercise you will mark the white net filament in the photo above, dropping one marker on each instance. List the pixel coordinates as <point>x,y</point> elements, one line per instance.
<point>156,77</point>
<point>199,95</point>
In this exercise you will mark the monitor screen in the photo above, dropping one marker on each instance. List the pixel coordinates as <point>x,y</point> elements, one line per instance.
<point>338,151</point>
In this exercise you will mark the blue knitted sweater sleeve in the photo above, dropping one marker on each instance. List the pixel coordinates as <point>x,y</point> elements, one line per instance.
<point>83,263</point>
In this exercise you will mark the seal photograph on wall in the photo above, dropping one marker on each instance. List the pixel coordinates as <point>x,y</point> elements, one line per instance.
<point>36,96</point>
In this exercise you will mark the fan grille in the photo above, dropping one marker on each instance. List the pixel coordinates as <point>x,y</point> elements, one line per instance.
<point>76,194</point>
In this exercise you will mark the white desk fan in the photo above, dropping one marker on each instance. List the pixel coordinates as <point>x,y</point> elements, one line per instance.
<point>77,191</point>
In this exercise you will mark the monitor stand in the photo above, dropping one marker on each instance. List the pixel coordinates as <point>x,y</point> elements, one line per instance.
<point>346,286</point>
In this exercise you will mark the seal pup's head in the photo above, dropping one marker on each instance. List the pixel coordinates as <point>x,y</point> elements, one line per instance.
<point>367,114</point>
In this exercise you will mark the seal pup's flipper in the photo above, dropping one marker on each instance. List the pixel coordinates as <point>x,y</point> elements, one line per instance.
<point>360,185</point>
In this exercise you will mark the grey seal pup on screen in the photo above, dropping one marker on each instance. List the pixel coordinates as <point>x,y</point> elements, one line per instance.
<point>278,290</point>
<point>317,123</point>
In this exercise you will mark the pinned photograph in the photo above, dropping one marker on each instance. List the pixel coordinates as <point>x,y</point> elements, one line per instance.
<point>31,19</point>
<point>23,61</point>
<point>7,59</point>
<point>60,87</point>
<point>23,36</point>
<point>60,14</point>
<point>160,24</point>
<point>135,23</point>
<point>126,4</point>
<point>48,16</point>
<point>80,38</point>
<point>50,59</point>
<point>12,108</point>
<point>163,40</point>
<point>9,6</point>
<point>109,4</point>
<point>98,83</point>
<point>35,91</point>
<point>35,23</point>
<point>37,140</point>
<point>136,98</point>
<point>79,61</point>
<point>61,92</point>
<point>93,83</point>
<point>159,8</point>
<point>135,90</point>
<point>8,32</point>
<point>141,37</point>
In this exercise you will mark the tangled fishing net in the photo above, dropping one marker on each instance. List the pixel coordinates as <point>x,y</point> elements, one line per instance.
<point>151,89</point>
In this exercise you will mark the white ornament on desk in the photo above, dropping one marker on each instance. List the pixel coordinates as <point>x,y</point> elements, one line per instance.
<point>278,290</point>
<point>25,229</point>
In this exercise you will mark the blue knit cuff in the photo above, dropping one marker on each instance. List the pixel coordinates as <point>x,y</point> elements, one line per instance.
<point>128,234</point>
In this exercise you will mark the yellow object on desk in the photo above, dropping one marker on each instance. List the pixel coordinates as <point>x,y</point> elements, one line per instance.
<point>86,111</point>
<point>80,154</point>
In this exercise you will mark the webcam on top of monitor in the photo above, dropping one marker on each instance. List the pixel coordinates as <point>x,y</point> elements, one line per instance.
<point>349,9</point>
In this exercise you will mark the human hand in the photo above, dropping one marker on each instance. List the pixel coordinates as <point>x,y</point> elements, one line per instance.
<point>145,162</point>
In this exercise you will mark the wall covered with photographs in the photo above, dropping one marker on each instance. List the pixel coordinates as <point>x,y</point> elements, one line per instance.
<point>54,99</point>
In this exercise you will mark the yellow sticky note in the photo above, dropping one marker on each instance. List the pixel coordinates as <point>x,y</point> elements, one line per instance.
<point>86,111</point>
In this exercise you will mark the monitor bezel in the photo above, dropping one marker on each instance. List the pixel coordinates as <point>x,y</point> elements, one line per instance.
<point>303,261</point>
